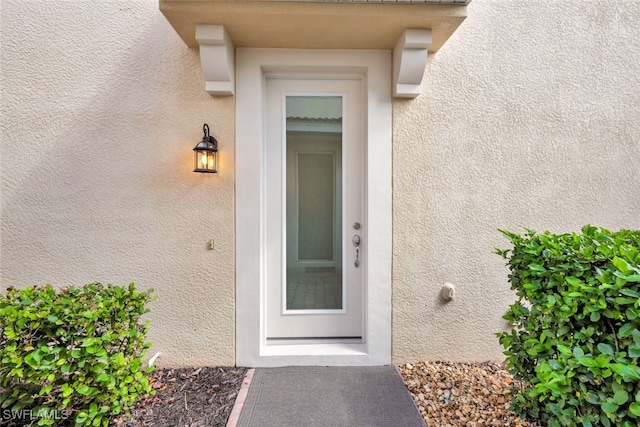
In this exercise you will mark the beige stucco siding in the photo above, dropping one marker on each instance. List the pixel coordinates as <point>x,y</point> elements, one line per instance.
<point>529,117</point>
<point>101,106</point>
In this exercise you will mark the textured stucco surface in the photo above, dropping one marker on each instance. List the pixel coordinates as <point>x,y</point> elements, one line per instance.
<point>529,117</point>
<point>102,104</point>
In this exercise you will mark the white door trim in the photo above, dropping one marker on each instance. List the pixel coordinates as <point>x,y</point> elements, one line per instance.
<point>252,67</point>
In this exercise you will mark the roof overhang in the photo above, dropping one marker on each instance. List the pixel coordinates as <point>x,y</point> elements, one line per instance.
<point>316,24</point>
<point>410,28</point>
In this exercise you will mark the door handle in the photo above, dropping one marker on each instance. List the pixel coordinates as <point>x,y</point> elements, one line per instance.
<point>356,243</point>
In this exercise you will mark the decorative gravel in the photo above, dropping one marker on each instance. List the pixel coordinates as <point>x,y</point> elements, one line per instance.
<point>462,394</point>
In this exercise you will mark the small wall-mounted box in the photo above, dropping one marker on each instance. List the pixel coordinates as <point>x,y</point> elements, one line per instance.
<point>448,292</point>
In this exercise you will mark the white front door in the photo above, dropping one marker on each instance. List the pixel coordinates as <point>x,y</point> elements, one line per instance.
<point>304,178</point>
<point>314,209</point>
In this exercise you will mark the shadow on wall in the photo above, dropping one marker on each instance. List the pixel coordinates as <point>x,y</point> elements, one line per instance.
<point>114,161</point>
<point>107,191</point>
<point>110,193</point>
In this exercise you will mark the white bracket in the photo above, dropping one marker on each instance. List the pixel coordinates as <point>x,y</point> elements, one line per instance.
<point>409,62</point>
<point>217,59</point>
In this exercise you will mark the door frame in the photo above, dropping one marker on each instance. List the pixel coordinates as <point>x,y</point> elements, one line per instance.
<point>252,67</point>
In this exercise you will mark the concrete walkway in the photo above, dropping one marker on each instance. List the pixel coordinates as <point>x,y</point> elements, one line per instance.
<point>325,397</point>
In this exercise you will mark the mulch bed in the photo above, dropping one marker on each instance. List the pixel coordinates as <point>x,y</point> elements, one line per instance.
<point>191,397</point>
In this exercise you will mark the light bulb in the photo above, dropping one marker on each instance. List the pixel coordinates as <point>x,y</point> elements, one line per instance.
<point>204,160</point>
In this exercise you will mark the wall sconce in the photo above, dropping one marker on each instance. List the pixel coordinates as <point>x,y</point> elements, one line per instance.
<point>206,153</point>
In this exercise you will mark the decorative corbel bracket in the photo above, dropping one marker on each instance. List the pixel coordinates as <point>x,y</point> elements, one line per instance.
<point>409,62</point>
<point>217,59</point>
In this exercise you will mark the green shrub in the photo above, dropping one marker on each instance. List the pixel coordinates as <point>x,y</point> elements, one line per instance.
<point>72,355</point>
<point>576,338</point>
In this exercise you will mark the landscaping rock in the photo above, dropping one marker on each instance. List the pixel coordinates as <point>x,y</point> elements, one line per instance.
<point>462,394</point>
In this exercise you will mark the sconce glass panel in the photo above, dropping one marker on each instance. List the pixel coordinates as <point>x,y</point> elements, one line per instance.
<point>206,161</point>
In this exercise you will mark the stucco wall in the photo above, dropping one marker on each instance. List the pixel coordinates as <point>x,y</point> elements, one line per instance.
<point>102,104</point>
<point>529,117</point>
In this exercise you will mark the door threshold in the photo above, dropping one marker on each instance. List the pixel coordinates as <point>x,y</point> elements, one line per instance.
<point>314,340</point>
<point>314,348</point>
<point>314,353</point>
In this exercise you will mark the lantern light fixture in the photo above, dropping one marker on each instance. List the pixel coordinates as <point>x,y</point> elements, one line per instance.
<point>206,153</point>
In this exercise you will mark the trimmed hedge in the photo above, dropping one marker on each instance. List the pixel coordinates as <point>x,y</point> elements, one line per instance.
<point>72,355</point>
<point>576,338</point>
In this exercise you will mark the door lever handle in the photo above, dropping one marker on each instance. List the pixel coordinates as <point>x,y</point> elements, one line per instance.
<point>356,243</point>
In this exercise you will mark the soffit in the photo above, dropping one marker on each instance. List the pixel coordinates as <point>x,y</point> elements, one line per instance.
<point>313,24</point>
